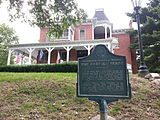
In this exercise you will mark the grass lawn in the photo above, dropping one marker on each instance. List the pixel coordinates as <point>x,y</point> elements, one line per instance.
<point>44,96</point>
<point>22,77</point>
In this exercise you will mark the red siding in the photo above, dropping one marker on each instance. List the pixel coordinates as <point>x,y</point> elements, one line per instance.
<point>124,43</point>
<point>43,32</point>
<point>54,54</point>
<point>72,55</point>
<point>88,29</point>
<point>123,39</point>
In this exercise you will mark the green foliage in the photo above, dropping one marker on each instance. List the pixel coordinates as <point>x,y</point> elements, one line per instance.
<point>157,70</point>
<point>66,67</point>
<point>114,111</point>
<point>57,15</point>
<point>150,20</point>
<point>7,37</point>
<point>3,56</point>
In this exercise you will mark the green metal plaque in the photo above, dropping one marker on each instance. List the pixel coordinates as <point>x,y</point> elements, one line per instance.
<point>103,75</point>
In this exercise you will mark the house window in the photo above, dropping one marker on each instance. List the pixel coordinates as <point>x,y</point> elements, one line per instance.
<point>108,32</point>
<point>82,34</point>
<point>99,32</point>
<point>65,34</point>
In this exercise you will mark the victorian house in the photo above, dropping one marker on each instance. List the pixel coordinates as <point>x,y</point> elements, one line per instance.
<point>78,41</point>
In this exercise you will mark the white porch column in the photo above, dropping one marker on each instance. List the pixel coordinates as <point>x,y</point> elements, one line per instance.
<point>49,49</point>
<point>30,50</point>
<point>9,56</point>
<point>68,48</point>
<point>89,47</point>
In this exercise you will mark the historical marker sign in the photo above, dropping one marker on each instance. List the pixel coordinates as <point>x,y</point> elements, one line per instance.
<point>103,75</point>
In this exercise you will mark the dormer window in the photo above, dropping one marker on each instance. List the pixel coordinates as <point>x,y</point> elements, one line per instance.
<point>82,34</point>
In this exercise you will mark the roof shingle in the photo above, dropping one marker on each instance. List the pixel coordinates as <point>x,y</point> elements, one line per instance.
<point>100,15</point>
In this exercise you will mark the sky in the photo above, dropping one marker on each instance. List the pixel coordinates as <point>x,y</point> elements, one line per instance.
<point>115,10</point>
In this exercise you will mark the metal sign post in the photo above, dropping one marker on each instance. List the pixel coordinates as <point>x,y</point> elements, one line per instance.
<point>103,109</point>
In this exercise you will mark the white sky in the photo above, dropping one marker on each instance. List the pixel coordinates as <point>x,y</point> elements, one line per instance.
<point>114,9</point>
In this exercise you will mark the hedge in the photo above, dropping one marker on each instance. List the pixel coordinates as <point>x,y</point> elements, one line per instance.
<point>65,67</point>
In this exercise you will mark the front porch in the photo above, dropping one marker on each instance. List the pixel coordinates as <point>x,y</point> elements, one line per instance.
<point>68,50</point>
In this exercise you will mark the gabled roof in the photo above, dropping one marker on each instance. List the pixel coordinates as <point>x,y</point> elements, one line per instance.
<point>100,15</point>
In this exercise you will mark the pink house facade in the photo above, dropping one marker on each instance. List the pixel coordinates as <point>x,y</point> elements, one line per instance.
<point>78,41</point>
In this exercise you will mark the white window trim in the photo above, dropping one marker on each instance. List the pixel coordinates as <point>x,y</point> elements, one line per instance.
<point>84,33</point>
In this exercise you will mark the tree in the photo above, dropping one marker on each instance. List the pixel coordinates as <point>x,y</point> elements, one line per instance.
<point>150,20</point>
<point>57,15</point>
<point>7,37</point>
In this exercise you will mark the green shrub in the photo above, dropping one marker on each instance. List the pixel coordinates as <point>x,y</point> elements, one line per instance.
<point>66,67</point>
<point>156,70</point>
